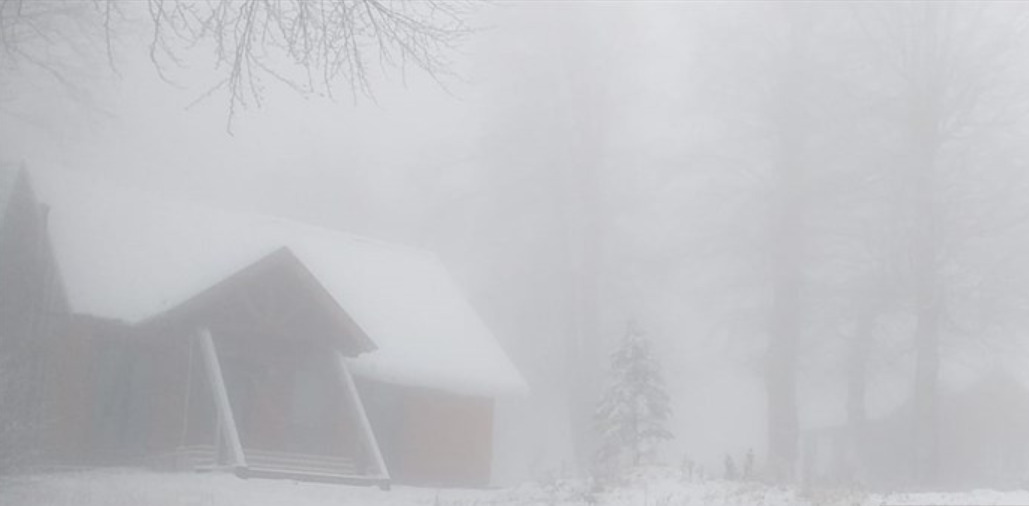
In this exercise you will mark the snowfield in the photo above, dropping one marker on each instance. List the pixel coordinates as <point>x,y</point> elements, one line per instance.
<point>144,488</point>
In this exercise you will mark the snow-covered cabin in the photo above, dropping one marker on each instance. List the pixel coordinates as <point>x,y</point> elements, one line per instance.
<point>178,335</point>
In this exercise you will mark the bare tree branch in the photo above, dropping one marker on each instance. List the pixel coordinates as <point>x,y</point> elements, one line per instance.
<point>311,46</point>
<point>332,39</point>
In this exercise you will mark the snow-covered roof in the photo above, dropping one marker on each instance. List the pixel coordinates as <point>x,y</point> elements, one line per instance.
<point>126,255</point>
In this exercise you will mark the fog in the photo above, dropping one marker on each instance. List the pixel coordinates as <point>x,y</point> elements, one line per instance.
<point>815,213</point>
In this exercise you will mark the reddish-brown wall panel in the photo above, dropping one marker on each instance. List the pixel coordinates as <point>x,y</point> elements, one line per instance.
<point>447,439</point>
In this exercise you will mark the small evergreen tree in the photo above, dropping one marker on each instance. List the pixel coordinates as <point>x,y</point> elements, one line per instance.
<point>631,415</point>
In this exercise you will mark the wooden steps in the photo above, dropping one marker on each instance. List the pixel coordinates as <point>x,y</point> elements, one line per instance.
<point>300,463</point>
<point>282,465</point>
<point>196,458</point>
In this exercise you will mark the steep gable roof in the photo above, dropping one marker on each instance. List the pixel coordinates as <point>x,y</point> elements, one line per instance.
<point>125,255</point>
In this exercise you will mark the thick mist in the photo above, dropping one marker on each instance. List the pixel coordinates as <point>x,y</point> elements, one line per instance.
<point>815,213</point>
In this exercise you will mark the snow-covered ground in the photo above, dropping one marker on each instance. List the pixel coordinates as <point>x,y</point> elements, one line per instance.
<point>142,488</point>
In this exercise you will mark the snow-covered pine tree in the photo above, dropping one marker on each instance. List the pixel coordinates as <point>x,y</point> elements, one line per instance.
<point>632,413</point>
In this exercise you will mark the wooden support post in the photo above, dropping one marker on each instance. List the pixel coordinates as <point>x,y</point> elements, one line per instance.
<point>227,425</point>
<point>362,418</point>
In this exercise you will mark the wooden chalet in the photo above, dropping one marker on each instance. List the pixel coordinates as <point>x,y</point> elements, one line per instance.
<point>177,336</point>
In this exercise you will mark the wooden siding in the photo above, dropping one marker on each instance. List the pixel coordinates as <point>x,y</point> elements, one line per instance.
<point>429,437</point>
<point>117,397</point>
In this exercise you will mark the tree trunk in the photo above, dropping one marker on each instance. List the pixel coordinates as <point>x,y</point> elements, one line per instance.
<point>585,117</point>
<point>781,389</point>
<point>583,345</point>
<point>857,376</point>
<point>925,419</point>
<point>927,142</point>
<point>781,380</point>
<point>857,388</point>
<point>787,239</point>
<point>925,409</point>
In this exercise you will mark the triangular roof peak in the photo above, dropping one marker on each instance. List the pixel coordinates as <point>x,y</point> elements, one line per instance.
<point>277,296</point>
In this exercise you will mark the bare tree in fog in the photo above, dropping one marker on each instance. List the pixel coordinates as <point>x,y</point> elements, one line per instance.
<point>950,76</point>
<point>790,127</point>
<point>771,86</point>
<point>309,46</point>
<point>325,40</point>
<point>856,277</point>
<point>860,292</point>
<point>869,156</point>
<point>56,39</point>
<point>551,149</point>
<point>584,84</point>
